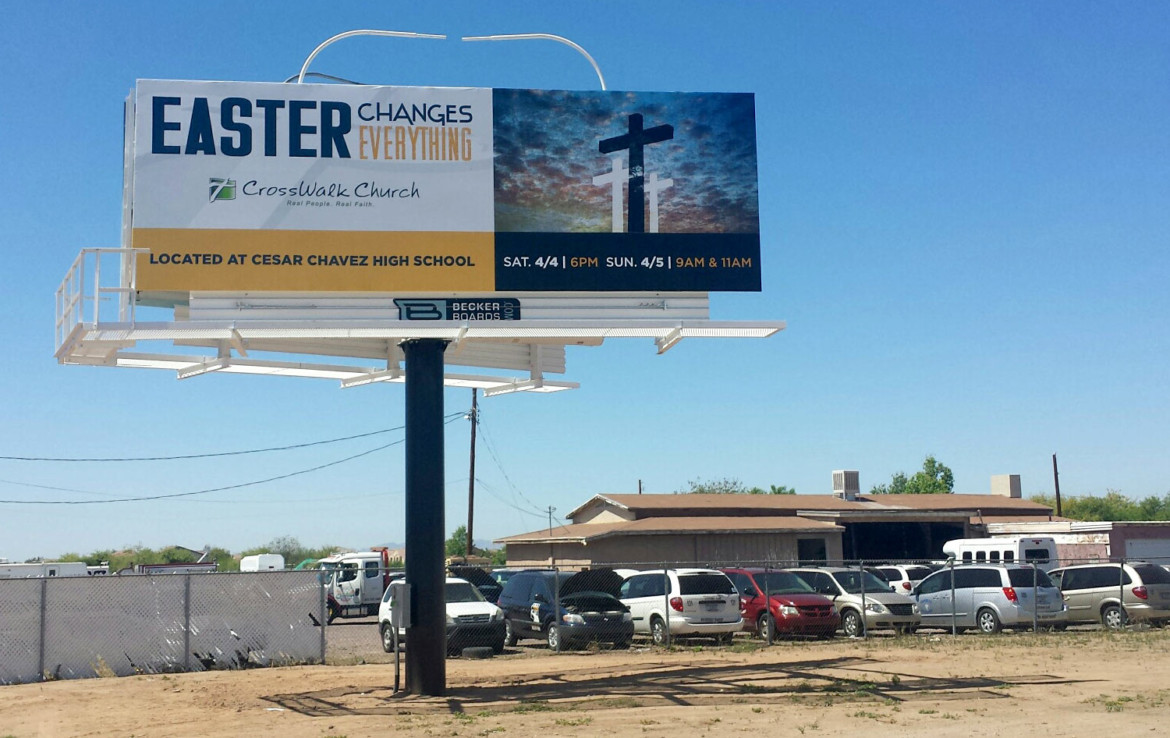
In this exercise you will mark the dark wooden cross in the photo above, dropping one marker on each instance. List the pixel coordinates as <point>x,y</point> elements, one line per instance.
<point>634,140</point>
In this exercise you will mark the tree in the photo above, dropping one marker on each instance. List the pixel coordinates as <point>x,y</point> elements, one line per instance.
<point>456,545</point>
<point>772,490</point>
<point>1112,506</point>
<point>499,557</point>
<point>725,486</point>
<point>935,478</point>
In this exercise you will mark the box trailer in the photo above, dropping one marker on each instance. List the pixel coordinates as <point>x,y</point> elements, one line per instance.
<point>262,562</point>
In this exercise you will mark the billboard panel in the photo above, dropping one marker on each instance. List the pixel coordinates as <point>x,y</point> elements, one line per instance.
<point>241,186</point>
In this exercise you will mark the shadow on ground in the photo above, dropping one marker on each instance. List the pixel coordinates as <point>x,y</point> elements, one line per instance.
<point>825,681</point>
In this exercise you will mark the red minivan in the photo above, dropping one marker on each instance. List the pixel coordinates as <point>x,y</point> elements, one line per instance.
<point>795,608</point>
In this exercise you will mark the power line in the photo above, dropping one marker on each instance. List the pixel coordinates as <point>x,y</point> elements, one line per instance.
<point>492,451</point>
<point>146,498</point>
<point>217,454</point>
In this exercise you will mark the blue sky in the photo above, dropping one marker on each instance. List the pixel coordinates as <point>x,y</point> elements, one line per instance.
<point>964,217</point>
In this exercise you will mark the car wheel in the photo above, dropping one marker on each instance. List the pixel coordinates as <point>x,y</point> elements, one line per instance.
<point>387,638</point>
<point>554,637</point>
<point>766,627</point>
<point>658,631</point>
<point>509,634</point>
<point>988,621</point>
<point>1113,617</point>
<point>498,648</point>
<point>621,645</point>
<point>724,639</point>
<point>851,624</point>
<point>331,614</point>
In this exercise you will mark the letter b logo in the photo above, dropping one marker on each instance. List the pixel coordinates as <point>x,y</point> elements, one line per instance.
<point>421,309</point>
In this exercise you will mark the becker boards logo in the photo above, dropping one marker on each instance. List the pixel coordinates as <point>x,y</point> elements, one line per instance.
<point>219,188</point>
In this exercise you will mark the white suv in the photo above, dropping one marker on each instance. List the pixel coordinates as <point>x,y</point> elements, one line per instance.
<point>683,602</point>
<point>471,619</point>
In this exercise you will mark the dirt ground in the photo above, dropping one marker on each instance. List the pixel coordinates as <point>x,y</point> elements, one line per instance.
<point>1073,684</point>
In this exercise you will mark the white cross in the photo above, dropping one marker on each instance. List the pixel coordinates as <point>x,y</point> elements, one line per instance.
<point>653,187</point>
<point>616,177</point>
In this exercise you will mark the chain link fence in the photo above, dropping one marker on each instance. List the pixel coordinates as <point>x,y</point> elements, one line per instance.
<point>75,627</point>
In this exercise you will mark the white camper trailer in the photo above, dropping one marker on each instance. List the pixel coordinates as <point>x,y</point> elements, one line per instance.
<point>1004,550</point>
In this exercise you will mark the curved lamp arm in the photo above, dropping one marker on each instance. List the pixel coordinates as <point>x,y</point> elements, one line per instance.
<point>362,32</point>
<point>547,37</point>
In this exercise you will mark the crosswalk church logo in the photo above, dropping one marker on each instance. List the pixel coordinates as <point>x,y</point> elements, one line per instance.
<point>221,189</point>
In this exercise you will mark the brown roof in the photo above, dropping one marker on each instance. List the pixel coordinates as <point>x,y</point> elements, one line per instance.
<point>689,505</point>
<point>585,532</point>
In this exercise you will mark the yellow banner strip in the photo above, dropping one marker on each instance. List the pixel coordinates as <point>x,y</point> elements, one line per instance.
<point>314,261</point>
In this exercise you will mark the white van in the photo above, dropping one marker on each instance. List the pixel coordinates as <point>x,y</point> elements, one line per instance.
<point>262,562</point>
<point>1004,550</point>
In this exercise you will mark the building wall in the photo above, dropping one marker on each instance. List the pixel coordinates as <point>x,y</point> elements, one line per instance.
<point>604,514</point>
<point>685,548</point>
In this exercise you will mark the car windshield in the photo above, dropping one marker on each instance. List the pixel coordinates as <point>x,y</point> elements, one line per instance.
<point>782,582</point>
<point>914,573</point>
<point>853,581</point>
<point>1023,578</point>
<point>461,592</point>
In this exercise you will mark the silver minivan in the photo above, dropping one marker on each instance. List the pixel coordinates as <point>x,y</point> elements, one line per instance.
<point>1093,593</point>
<point>855,592</point>
<point>989,598</point>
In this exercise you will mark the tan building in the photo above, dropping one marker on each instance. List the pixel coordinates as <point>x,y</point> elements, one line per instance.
<point>703,529</point>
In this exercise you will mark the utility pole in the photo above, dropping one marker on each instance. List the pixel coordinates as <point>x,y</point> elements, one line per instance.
<point>1056,481</point>
<point>474,417</point>
<point>551,560</point>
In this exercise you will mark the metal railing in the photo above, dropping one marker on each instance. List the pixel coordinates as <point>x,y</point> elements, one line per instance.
<point>99,286</point>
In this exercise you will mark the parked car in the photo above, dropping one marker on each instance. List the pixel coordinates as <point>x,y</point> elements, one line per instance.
<point>903,577</point>
<point>589,610</point>
<point>683,602</point>
<point>483,581</point>
<point>881,607</point>
<point>471,619</point>
<point>989,598</point>
<point>1093,593</point>
<point>779,602</point>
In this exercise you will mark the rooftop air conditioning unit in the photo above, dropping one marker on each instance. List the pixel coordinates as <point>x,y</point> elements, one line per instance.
<point>846,484</point>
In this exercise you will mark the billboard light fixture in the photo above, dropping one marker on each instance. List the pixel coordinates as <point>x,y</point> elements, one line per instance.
<point>545,37</point>
<point>360,32</point>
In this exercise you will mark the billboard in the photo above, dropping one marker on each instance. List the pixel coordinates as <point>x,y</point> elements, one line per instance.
<point>243,186</point>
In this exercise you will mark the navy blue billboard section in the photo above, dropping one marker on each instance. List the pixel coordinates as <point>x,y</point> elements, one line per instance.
<point>627,262</point>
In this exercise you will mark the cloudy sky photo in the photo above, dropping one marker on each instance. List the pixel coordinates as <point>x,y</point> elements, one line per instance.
<point>546,156</point>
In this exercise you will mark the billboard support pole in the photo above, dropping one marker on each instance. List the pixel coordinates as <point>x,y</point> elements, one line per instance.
<point>426,665</point>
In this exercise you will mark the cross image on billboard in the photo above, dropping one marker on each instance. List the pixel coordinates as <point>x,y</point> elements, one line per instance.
<point>275,187</point>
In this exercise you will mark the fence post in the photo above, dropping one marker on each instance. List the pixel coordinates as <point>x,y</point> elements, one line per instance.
<point>321,613</point>
<point>666,602</point>
<point>768,606</point>
<point>954,615</point>
<point>187,622</point>
<point>41,628</point>
<point>1035,599</point>
<point>1123,616</point>
<point>864,609</point>
<point>556,619</point>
